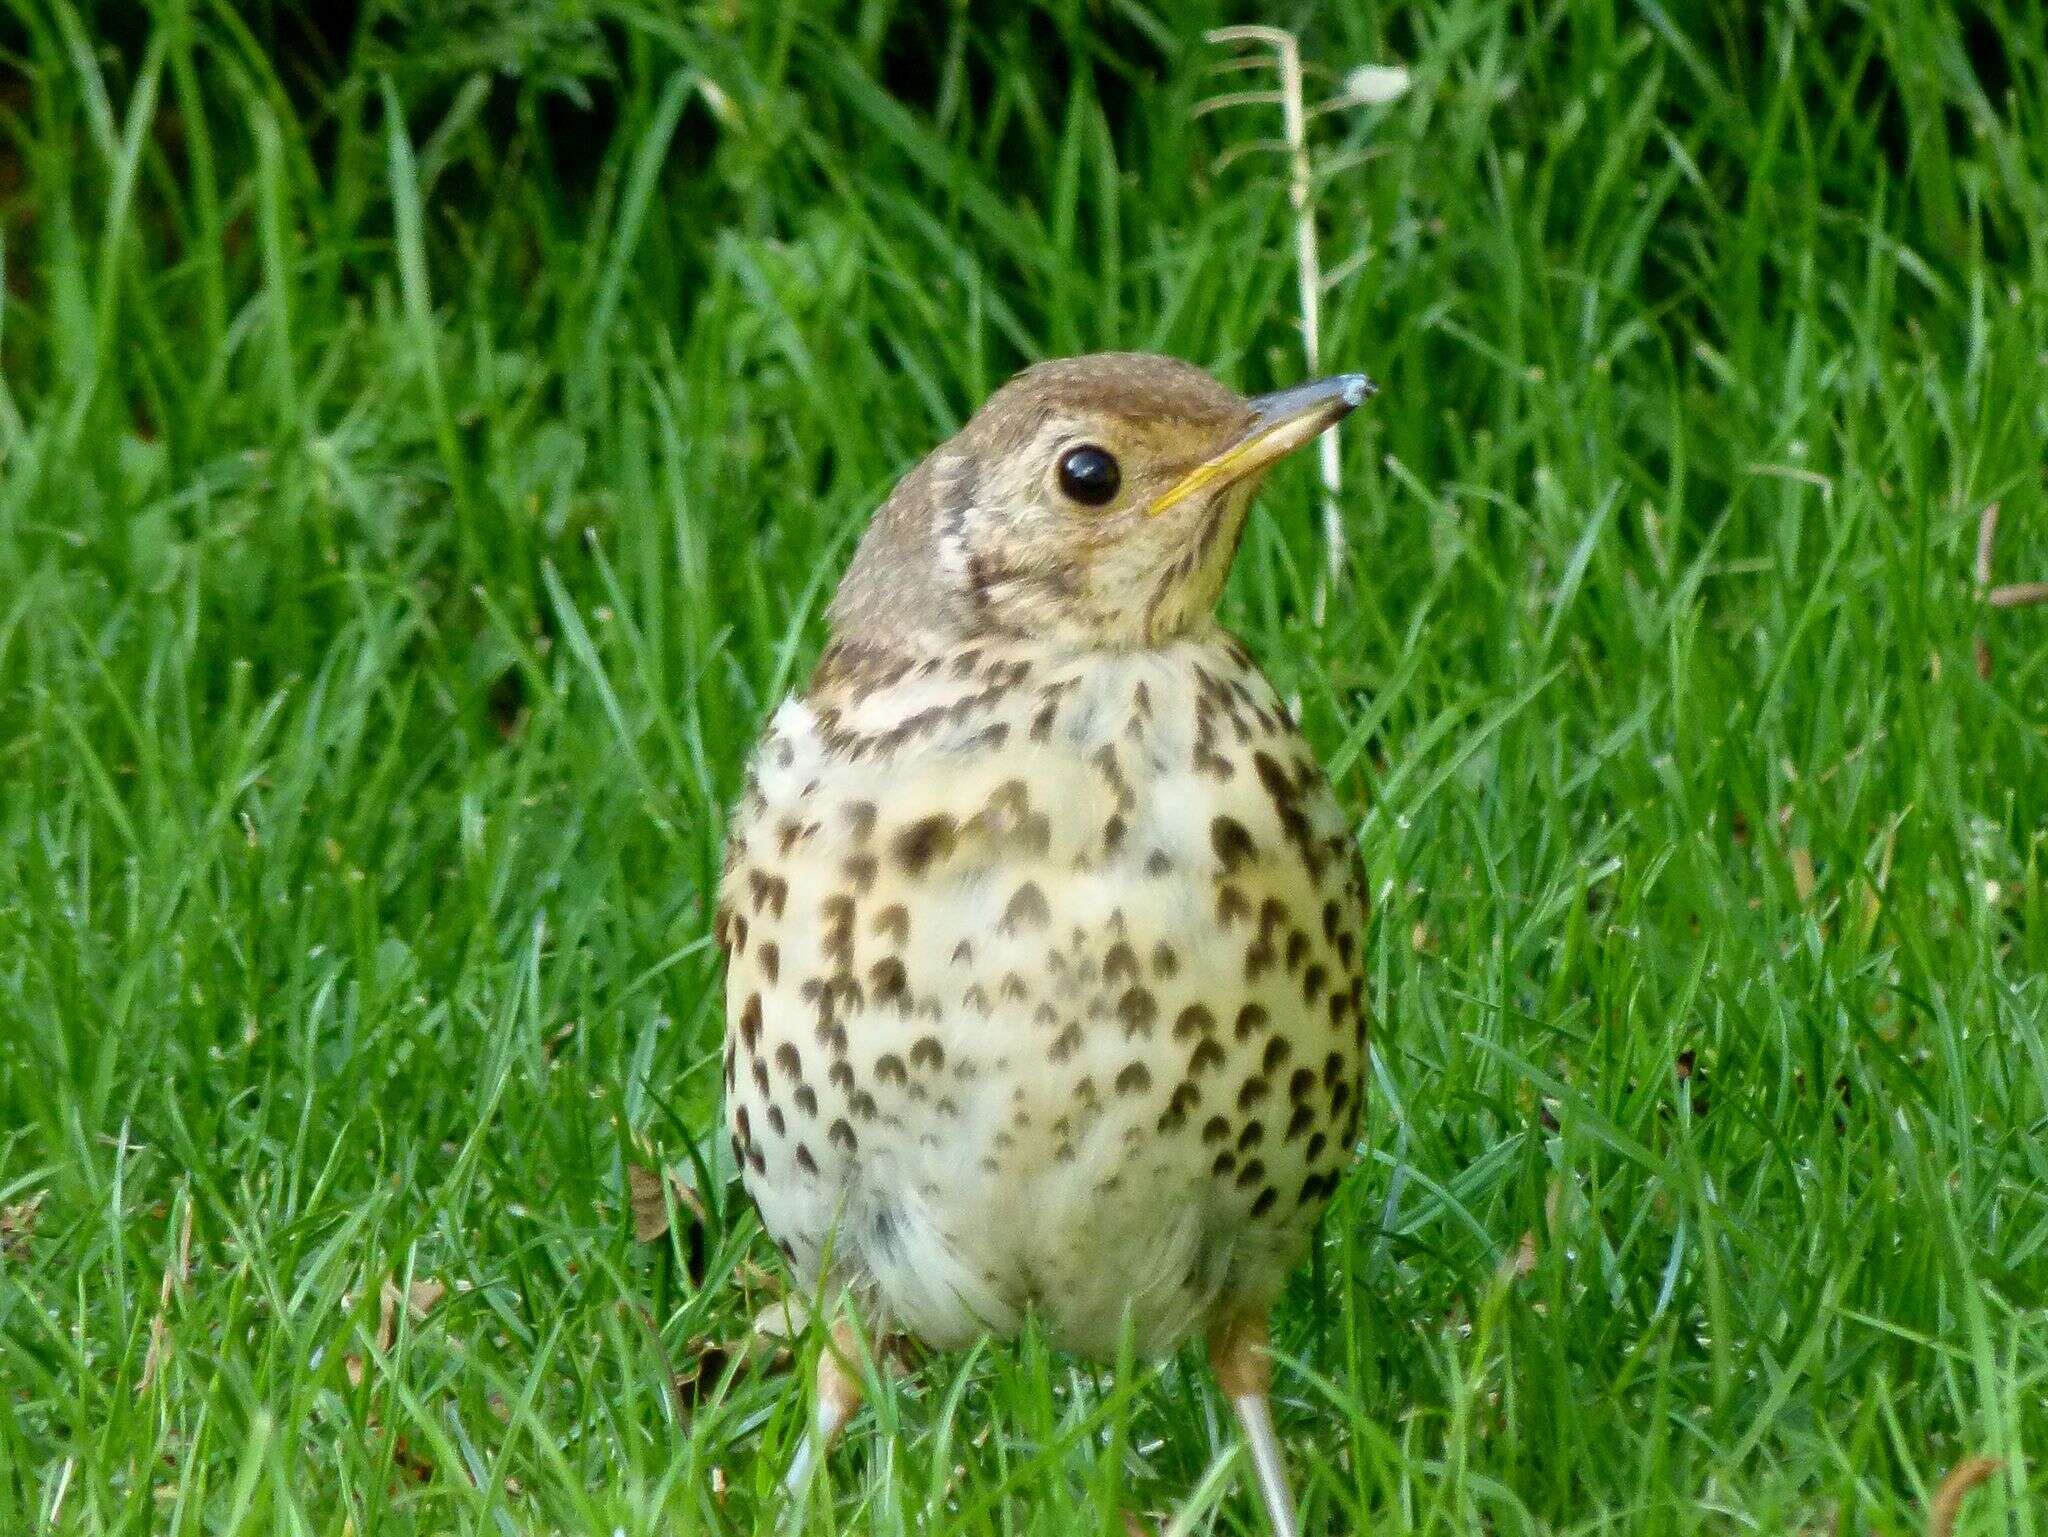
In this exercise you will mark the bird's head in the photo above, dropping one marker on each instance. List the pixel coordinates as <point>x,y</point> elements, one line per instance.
<point>1092,501</point>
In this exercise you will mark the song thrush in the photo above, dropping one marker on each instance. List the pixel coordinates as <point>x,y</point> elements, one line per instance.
<point>1042,926</point>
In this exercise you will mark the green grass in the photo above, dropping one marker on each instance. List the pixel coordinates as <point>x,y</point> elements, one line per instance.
<point>424,452</point>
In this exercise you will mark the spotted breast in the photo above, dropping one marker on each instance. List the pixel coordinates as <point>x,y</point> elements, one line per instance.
<point>1045,992</point>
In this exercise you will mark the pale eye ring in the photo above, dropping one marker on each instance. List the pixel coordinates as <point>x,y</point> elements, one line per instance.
<point>1089,475</point>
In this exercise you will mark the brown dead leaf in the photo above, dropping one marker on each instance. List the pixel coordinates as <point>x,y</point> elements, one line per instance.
<point>419,1298</point>
<point>702,1370</point>
<point>1802,874</point>
<point>18,1226</point>
<point>407,1461</point>
<point>159,1347</point>
<point>650,1207</point>
<point>2018,595</point>
<point>1522,1261</point>
<point>175,1274</point>
<point>423,1296</point>
<point>1954,1489</point>
<point>650,1210</point>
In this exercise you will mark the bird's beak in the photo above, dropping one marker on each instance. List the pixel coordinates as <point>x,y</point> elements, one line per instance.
<point>1281,422</point>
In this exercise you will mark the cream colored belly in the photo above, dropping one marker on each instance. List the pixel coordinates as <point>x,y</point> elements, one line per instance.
<point>1027,1038</point>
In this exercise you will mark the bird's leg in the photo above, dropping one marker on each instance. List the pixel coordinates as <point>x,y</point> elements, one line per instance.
<point>1239,1357</point>
<point>836,1398</point>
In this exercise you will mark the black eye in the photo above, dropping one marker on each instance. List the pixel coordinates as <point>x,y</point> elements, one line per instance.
<point>1089,475</point>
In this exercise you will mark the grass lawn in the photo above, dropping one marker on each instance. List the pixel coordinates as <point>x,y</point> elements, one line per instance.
<point>425,448</point>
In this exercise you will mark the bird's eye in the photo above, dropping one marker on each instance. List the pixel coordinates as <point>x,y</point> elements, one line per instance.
<point>1089,475</point>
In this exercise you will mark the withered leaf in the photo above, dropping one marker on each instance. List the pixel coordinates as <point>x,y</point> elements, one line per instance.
<point>1953,1489</point>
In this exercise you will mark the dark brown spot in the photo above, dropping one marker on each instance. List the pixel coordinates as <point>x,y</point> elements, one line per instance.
<point>1157,862</point>
<point>929,839</point>
<point>841,1076</point>
<point>1275,778</point>
<point>889,984</point>
<point>789,1059</point>
<point>860,819</point>
<point>1312,983</point>
<point>1297,950</point>
<point>1231,904</point>
<point>1265,1202</point>
<point>1065,1043</point>
<point>1215,1129</point>
<point>963,953</point>
<point>1194,1020</point>
<point>1299,1122</point>
<point>1164,962</point>
<point>769,957</point>
<point>861,869</point>
<point>1027,909</point>
<point>1316,1144</point>
<point>750,1021</point>
<point>1135,1078</point>
<point>1254,1090</point>
<point>1207,1054</point>
<point>889,1068</point>
<point>1137,1009</point>
<point>1301,1085</point>
<point>804,1160</point>
<point>775,1121</point>
<point>1232,843</point>
<point>807,1097</point>
<point>743,1126</point>
<point>927,1052</point>
<point>1251,1174</point>
<point>1253,1134</point>
<point>1113,833</point>
<point>1277,1052</point>
<point>1120,964</point>
<point>1105,764</point>
<point>1225,1162</point>
<point>760,1075</point>
<point>1272,916</point>
<point>862,1104</point>
<point>838,939</point>
<point>769,891</point>
<point>842,1136</point>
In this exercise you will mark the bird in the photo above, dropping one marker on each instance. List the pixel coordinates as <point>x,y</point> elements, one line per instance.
<point>1043,928</point>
